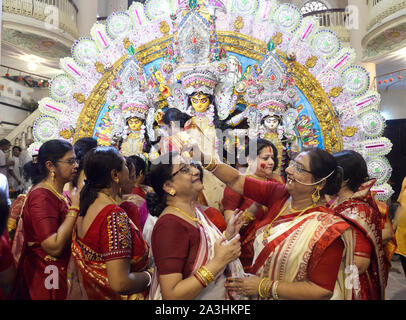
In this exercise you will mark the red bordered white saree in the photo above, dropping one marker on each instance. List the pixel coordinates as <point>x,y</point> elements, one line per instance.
<point>285,254</point>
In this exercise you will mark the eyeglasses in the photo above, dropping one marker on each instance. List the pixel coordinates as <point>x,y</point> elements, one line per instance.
<point>186,169</point>
<point>298,167</point>
<point>70,161</point>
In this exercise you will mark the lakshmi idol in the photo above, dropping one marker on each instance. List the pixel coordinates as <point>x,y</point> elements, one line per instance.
<point>135,135</point>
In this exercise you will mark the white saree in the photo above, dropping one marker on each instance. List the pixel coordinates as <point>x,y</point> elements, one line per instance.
<point>209,235</point>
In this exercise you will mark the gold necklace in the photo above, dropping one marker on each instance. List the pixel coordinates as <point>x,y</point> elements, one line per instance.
<point>187,215</point>
<point>54,191</point>
<point>267,232</point>
<point>253,176</point>
<point>110,197</point>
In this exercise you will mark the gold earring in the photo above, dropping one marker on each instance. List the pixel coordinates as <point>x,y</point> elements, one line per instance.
<point>316,195</point>
<point>172,192</point>
<point>53,176</point>
<point>117,180</point>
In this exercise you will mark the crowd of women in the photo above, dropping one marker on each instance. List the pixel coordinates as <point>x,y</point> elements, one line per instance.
<point>97,225</point>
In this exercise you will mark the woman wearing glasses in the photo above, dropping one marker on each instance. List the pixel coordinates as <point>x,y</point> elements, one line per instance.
<point>262,165</point>
<point>302,253</point>
<point>190,253</point>
<point>47,221</point>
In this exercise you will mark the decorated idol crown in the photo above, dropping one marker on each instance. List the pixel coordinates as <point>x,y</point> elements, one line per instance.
<point>137,106</point>
<point>272,104</point>
<point>199,79</point>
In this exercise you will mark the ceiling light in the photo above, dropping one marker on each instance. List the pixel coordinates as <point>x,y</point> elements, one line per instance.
<point>32,66</point>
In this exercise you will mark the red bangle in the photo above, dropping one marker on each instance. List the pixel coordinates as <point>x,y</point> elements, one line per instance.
<point>76,209</point>
<point>200,280</point>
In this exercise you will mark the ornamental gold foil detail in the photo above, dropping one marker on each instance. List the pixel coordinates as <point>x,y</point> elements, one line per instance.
<point>350,131</point>
<point>322,107</point>
<point>311,62</point>
<point>88,117</point>
<point>335,92</point>
<point>277,39</point>
<point>79,97</point>
<point>238,24</point>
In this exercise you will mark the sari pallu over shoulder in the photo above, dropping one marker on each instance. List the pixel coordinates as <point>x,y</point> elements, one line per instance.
<point>216,290</point>
<point>285,254</point>
<point>362,212</point>
<point>87,272</point>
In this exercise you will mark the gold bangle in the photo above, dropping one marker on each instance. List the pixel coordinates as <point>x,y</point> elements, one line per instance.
<point>260,287</point>
<point>74,208</point>
<point>202,277</point>
<point>263,288</point>
<point>248,217</point>
<point>274,290</point>
<point>212,165</point>
<point>72,214</point>
<point>207,274</point>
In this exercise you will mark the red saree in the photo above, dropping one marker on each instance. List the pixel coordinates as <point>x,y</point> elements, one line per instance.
<point>6,259</point>
<point>232,200</point>
<point>112,235</point>
<point>362,213</point>
<point>42,215</point>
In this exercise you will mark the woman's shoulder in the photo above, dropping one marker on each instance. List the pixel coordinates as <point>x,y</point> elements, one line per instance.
<point>172,223</point>
<point>353,206</point>
<point>42,195</point>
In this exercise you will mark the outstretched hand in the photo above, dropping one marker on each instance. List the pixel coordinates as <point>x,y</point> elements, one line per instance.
<point>235,224</point>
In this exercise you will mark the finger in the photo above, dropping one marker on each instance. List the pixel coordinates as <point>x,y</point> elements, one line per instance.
<point>236,240</point>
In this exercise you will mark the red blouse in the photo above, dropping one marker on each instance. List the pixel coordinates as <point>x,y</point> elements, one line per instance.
<point>324,265</point>
<point>175,244</point>
<point>139,191</point>
<point>112,236</point>
<point>43,214</point>
<point>132,212</point>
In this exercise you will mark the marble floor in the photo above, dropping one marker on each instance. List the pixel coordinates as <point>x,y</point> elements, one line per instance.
<point>396,288</point>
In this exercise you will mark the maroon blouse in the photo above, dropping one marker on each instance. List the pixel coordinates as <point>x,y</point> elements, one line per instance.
<point>175,244</point>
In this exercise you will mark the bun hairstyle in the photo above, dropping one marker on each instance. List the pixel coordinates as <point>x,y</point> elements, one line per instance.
<point>322,164</point>
<point>140,165</point>
<point>52,150</point>
<point>177,116</point>
<point>81,147</point>
<point>258,145</point>
<point>98,164</point>
<point>159,173</point>
<point>354,167</point>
